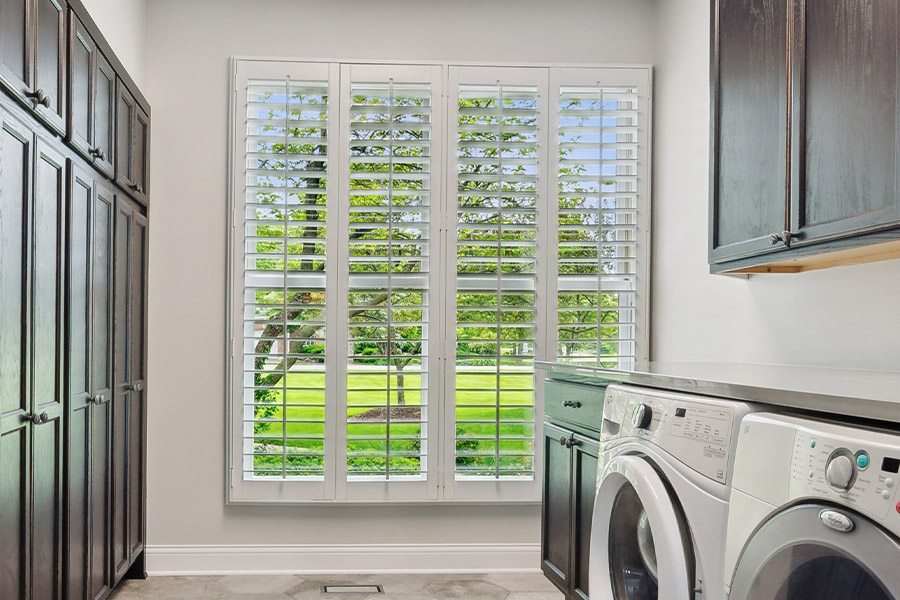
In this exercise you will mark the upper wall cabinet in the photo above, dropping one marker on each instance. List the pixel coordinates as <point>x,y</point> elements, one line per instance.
<point>33,56</point>
<point>804,134</point>
<point>132,145</point>
<point>92,99</point>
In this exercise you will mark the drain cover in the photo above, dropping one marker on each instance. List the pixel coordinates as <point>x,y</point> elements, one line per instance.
<point>352,589</point>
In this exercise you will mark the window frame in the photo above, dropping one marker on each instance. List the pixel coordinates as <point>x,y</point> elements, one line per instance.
<point>441,485</point>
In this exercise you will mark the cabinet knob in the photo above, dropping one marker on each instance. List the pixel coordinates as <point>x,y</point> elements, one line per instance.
<point>138,188</point>
<point>37,419</point>
<point>136,387</point>
<point>99,399</point>
<point>563,441</point>
<point>572,442</point>
<point>97,153</point>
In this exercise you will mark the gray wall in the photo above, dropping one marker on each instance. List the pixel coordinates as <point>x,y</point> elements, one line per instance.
<point>189,44</point>
<point>124,25</point>
<point>845,316</point>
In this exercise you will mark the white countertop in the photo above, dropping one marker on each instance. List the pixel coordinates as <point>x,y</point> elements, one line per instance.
<point>857,393</point>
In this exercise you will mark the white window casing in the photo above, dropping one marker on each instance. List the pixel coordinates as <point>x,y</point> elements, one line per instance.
<point>405,241</point>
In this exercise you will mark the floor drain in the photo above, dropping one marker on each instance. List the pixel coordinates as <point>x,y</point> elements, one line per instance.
<point>352,589</point>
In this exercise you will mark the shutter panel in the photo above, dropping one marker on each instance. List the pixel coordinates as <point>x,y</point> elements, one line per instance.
<point>389,295</point>
<point>497,139</point>
<point>284,279</point>
<point>597,225</point>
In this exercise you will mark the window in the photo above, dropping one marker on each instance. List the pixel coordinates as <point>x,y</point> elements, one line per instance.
<point>407,240</point>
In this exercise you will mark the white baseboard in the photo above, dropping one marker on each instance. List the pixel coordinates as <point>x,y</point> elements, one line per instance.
<point>350,558</point>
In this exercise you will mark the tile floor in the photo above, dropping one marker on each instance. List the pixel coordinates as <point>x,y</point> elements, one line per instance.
<point>499,586</point>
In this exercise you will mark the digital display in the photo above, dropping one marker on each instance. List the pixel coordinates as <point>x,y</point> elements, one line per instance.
<point>890,465</point>
<point>680,412</point>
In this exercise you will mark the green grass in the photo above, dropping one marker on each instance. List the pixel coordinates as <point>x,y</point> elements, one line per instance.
<point>476,414</point>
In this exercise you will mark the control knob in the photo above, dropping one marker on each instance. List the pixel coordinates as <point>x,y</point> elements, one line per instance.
<point>642,416</point>
<point>840,472</point>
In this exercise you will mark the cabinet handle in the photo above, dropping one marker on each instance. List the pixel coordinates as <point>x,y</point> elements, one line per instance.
<point>37,419</point>
<point>563,441</point>
<point>136,387</point>
<point>572,442</point>
<point>784,237</point>
<point>571,404</point>
<point>138,188</point>
<point>39,98</point>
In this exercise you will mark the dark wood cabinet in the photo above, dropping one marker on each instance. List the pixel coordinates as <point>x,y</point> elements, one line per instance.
<point>132,145</point>
<point>805,148</point>
<point>92,93</point>
<point>571,450</point>
<point>33,57</point>
<point>32,220</point>
<point>73,252</point>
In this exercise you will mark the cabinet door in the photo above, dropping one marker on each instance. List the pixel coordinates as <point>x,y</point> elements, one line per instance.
<point>45,371</point>
<point>137,389</point>
<point>749,127</point>
<point>16,151</point>
<point>15,46</point>
<point>82,65</point>
<point>845,178</point>
<point>104,116</point>
<point>584,487</point>
<point>126,108</point>
<point>141,155</point>
<point>50,61</point>
<point>124,217</point>
<point>556,516</point>
<point>81,194</point>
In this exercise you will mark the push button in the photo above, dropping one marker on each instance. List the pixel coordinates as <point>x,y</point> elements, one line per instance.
<point>862,460</point>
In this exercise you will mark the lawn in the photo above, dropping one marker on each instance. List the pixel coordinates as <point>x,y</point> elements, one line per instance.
<point>477,416</point>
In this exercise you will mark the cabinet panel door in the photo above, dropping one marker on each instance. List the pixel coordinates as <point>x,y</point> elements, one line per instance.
<point>15,46</point>
<point>584,487</point>
<point>141,155</point>
<point>45,372</point>
<point>82,60</point>
<point>15,175</point>
<point>846,171</point>
<point>50,60</point>
<point>556,516</point>
<point>121,396</point>
<point>749,127</point>
<point>126,108</point>
<point>101,382</point>
<point>81,192</point>
<point>104,116</point>
<point>137,410</point>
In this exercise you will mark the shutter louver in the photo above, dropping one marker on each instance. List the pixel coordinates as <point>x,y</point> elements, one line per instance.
<point>497,190</point>
<point>284,279</point>
<point>597,225</point>
<point>388,290</point>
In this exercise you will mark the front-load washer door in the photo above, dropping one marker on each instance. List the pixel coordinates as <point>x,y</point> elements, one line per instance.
<point>818,552</point>
<point>639,549</point>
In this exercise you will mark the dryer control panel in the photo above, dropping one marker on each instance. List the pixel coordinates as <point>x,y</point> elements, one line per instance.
<point>851,466</point>
<point>694,429</point>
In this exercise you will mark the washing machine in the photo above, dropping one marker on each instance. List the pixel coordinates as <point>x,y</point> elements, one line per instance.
<point>815,512</point>
<point>661,507</point>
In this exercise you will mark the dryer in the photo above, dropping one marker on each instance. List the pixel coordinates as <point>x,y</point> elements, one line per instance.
<point>815,511</point>
<point>661,507</point>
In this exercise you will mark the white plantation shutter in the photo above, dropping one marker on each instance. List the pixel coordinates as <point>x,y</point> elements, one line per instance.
<point>392,171</point>
<point>499,139</point>
<point>388,302</point>
<point>597,218</point>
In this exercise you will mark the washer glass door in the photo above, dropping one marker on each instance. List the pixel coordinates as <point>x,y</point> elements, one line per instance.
<point>800,555</point>
<point>640,548</point>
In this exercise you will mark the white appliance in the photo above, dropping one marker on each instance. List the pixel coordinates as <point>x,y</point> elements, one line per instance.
<point>661,508</point>
<point>815,512</point>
